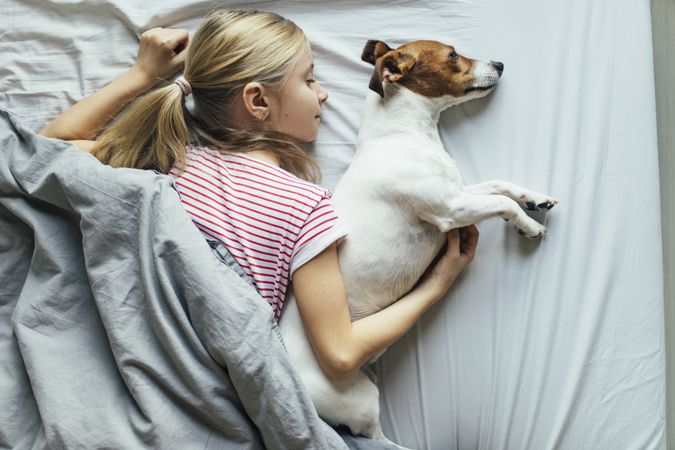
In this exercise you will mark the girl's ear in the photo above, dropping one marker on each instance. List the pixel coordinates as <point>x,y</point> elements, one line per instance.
<point>255,98</point>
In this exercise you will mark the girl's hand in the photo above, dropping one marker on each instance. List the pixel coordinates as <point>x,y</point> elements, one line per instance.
<point>461,249</point>
<point>161,53</point>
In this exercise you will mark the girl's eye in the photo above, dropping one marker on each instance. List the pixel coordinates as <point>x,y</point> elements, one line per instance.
<point>310,81</point>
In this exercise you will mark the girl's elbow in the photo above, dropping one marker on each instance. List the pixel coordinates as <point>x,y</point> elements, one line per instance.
<point>341,366</point>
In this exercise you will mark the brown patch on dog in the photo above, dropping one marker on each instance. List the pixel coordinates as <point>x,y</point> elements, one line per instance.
<point>373,50</point>
<point>429,68</point>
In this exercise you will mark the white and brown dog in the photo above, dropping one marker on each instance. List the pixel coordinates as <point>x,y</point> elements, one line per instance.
<point>400,195</point>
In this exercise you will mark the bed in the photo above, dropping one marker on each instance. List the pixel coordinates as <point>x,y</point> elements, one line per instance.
<point>557,343</point>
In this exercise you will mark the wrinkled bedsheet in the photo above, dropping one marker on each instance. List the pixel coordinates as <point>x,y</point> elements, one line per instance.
<point>118,326</point>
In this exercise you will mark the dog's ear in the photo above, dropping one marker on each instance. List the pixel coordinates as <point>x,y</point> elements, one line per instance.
<point>392,66</point>
<point>373,50</point>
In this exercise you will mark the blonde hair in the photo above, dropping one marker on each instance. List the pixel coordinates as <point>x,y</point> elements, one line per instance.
<point>229,50</point>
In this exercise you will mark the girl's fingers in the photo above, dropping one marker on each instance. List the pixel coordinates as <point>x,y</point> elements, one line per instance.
<point>167,38</point>
<point>162,51</point>
<point>469,241</point>
<point>179,58</point>
<point>177,40</point>
<point>453,240</point>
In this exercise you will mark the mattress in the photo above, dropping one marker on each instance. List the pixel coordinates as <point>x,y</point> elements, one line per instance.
<point>555,343</point>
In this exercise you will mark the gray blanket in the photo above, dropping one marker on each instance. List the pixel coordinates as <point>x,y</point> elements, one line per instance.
<point>119,328</point>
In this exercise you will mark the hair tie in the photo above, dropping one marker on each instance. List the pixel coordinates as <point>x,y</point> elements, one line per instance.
<point>184,86</point>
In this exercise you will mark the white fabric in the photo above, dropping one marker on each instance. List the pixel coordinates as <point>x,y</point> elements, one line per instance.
<point>552,344</point>
<point>317,245</point>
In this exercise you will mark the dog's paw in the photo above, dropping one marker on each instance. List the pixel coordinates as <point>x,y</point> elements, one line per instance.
<point>546,204</point>
<point>533,233</point>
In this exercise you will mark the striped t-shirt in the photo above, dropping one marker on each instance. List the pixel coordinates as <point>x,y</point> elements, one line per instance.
<point>271,221</point>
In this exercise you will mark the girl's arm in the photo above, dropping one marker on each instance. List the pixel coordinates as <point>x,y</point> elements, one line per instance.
<point>161,54</point>
<point>343,346</point>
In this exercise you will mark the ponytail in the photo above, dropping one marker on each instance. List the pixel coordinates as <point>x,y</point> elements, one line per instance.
<point>150,134</point>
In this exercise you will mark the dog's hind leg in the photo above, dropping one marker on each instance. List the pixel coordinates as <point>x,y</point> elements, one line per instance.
<point>528,199</point>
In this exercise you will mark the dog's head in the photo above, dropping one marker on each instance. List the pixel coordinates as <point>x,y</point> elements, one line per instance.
<point>432,69</point>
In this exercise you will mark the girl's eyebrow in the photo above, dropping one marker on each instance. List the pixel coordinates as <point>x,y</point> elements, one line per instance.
<point>311,69</point>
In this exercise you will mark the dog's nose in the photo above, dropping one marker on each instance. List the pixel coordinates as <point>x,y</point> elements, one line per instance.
<point>499,66</point>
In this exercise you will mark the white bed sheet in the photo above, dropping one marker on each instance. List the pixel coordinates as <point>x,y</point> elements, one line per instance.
<point>551,344</point>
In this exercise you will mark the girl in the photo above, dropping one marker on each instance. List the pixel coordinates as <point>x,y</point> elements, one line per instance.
<point>240,172</point>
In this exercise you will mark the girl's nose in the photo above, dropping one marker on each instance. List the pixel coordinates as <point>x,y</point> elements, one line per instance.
<point>323,94</point>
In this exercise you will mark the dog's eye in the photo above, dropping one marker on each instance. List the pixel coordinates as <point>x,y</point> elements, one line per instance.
<point>453,55</point>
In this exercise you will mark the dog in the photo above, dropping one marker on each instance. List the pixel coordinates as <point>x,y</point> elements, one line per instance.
<point>399,197</point>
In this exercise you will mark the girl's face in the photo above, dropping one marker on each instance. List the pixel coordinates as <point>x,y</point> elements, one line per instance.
<point>295,110</point>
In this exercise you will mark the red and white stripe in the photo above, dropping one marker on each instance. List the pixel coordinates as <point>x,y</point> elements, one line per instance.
<point>271,221</point>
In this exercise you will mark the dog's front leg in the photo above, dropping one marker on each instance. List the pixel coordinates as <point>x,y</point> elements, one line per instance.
<point>529,199</point>
<point>467,209</point>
